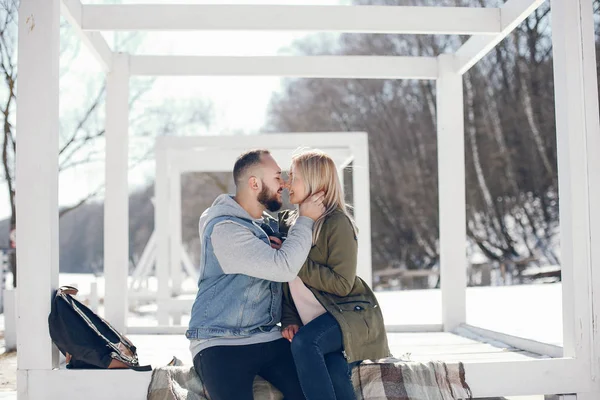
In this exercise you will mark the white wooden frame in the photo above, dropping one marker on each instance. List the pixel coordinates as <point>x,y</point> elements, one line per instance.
<point>578,136</point>
<point>176,155</point>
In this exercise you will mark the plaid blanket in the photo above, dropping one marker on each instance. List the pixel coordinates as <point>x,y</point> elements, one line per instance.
<point>387,379</point>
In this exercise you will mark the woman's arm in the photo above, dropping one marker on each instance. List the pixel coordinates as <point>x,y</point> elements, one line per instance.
<point>337,277</point>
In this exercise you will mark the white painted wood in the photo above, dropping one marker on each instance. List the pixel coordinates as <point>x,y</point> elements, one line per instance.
<point>513,12</point>
<point>274,141</point>
<point>219,159</point>
<point>145,263</point>
<point>161,230</point>
<point>116,202</point>
<point>36,167</point>
<point>351,67</point>
<point>451,184</point>
<point>515,341</point>
<point>188,265</point>
<point>72,10</point>
<point>360,19</point>
<point>572,175</point>
<point>507,379</point>
<point>497,378</point>
<point>577,128</point>
<point>362,208</point>
<point>340,172</point>
<point>86,384</point>
<point>10,319</point>
<point>94,299</point>
<point>175,236</point>
<point>347,162</point>
<point>592,125</point>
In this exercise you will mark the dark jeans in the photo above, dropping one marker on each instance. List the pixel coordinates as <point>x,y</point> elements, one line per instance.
<point>322,368</point>
<point>228,372</point>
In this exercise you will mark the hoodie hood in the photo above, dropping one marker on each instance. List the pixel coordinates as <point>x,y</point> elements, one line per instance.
<point>224,205</point>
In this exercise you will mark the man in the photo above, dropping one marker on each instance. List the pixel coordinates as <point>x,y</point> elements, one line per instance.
<point>233,332</point>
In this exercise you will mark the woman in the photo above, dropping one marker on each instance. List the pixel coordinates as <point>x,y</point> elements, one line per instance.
<point>330,315</point>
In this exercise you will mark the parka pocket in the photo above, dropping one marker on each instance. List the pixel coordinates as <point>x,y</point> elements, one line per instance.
<point>358,306</point>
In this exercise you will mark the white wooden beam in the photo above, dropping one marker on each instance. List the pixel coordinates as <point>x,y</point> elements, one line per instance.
<point>486,379</point>
<point>543,376</point>
<point>86,384</point>
<point>529,345</point>
<point>116,202</point>
<point>72,10</point>
<point>513,12</point>
<point>222,159</point>
<point>350,67</point>
<point>273,141</point>
<point>452,198</point>
<point>578,138</point>
<point>359,19</point>
<point>37,169</point>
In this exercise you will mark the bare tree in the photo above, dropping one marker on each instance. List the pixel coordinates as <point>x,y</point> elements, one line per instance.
<point>510,146</point>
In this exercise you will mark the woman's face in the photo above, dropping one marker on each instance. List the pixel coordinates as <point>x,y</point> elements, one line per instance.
<point>296,186</point>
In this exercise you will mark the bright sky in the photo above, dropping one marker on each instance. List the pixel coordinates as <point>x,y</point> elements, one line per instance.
<point>240,103</point>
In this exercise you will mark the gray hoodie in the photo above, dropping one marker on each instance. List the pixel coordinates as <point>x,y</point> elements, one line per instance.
<point>239,251</point>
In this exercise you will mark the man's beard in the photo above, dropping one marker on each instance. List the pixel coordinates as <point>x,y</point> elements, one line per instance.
<point>269,199</point>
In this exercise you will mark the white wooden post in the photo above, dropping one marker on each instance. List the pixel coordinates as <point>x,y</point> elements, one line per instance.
<point>116,203</point>
<point>175,229</point>
<point>161,230</point>
<point>175,237</point>
<point>452,201</point>
<point>10,319</point>
<point>362,207</point>
<point>592,122</point>
<point>37,196</point>
<point>341,175</point>
<point>578,141</point>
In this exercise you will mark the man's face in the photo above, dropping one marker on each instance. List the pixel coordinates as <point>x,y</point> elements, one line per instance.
<point>272,184</point>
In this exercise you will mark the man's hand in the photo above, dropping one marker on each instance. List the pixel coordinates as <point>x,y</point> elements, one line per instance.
<point>313,207</point>
<point>275,242</point>
<point>290,331</point>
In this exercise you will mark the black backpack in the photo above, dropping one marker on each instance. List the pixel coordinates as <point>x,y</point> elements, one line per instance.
<point>86,340</point>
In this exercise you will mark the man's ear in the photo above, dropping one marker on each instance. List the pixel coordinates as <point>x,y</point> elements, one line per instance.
<point>254,183</point>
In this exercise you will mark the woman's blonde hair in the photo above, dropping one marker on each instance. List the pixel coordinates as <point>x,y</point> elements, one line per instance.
<point>320,174</point>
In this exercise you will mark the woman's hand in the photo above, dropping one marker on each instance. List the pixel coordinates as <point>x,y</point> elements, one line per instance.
<point>290,331</point>
<point>313,207</point>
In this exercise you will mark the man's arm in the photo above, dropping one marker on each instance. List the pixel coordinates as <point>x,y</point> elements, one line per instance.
<point>240,252</point>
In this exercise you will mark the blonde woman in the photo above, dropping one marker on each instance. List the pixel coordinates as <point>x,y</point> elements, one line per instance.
<point>330,315</point>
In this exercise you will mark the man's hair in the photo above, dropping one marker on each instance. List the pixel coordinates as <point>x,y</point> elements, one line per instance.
<point>246,161</point>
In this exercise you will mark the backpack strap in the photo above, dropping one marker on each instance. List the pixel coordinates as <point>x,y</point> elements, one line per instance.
<point>68,290</point>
